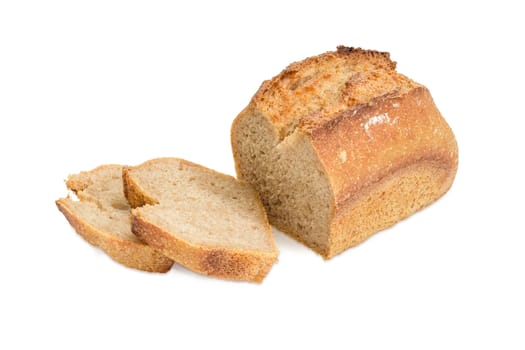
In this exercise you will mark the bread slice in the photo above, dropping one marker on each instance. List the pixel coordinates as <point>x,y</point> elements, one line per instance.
<point>206,221</point>
<point>340,146</point>
<point>102,217</point>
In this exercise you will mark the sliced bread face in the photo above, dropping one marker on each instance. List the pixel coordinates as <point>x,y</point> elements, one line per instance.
<point>102,217</point>
<point>206,221</point>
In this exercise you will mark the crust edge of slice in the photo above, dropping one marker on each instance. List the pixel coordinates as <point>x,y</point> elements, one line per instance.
<point>222,262</point>
<point>135,255</point>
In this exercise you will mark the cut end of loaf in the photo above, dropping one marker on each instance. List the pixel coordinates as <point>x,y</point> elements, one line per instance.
<point>288,176</point>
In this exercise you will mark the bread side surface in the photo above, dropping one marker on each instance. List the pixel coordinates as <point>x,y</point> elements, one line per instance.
<point>385,160</point>
<point>383,204</point>
<point>361,126</point>
<point>368,143</point>
<point>102,217</point>
<point>206,221</point>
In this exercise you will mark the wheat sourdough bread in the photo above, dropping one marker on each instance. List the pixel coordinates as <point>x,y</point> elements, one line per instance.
<point>340,146</point>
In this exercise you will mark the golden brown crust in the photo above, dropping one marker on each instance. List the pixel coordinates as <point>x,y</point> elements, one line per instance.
<point>369,151</point>
<point>222,262</point>
<point>364,144</point>
<point>132,254</point>
<point>383,204</point>
<point>358,54</point>
<point>327,84</point>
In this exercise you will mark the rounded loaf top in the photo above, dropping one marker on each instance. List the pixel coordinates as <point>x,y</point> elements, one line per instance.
<point>317,89</point>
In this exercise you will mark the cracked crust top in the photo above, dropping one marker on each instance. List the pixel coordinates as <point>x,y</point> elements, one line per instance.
<point>312,92</point>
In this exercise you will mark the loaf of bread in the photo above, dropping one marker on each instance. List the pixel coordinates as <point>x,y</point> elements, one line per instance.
<point>102,217</point>
<point>206,221</point>
<point>340,146</point>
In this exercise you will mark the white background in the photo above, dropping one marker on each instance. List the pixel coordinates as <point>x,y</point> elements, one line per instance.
<point>84,83</point>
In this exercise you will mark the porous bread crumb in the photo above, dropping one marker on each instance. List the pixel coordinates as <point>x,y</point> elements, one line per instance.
<point>102,217</point>
<point>194,215</point>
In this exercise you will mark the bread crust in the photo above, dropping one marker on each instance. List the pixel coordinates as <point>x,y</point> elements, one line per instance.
<point>385,203</point>
<point>222,262</point>
<point>378,139</point>
<point>227,263</point>
<point>134,254</point>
